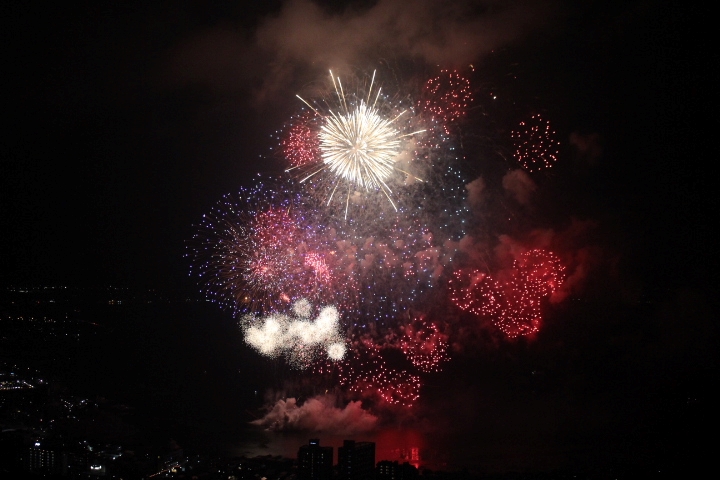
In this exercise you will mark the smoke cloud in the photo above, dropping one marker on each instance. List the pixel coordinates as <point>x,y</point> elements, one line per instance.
<point>318,414</point>
<point>302,35</point>
<point>520,185</point>
<point>587,146</point>
<point>437,32</point>
<point>476,192</point>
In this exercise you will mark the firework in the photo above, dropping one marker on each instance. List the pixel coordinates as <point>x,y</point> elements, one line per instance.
<point>446,98</point>
<point>260,249</point>
<point>301,144</point>
<point>326,236</point>
<point>394,271</point>
<point>424,346</point>
<point>298,338</point>
<point>368,373</point>
<point>318,265</point>
<point>540,272</point>
<point>535,144</point>
<point>514,305</point>
<point>361,135</point>
<point>358,151</point>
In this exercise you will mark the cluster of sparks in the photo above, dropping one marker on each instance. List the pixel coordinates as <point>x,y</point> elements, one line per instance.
<point>447,98</point>
<point>535,144</point>
<point>358,145</point>
<point>514,305</point>
<point>367,374</point>
<point>425,346</point>
<point>298,338</point>
<point>287,245</point>
<point>301,145</point>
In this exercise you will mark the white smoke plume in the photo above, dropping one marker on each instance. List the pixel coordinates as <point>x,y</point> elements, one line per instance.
<point>318,414</point>
<point>304,35</point>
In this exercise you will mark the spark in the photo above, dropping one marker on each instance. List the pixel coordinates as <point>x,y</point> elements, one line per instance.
<point>446,98</point>
<point>301,145</point>
<point>424,345</point>
<point>367,374</point>
<point>535,144</point>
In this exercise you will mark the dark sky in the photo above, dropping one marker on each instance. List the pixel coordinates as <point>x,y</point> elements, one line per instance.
<point>126,122</point>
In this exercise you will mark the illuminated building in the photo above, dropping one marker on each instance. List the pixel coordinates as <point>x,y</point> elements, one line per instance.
<point>356,460</point>
<point>43,458</point>
<point>315,462</point>
<point>387,470</point>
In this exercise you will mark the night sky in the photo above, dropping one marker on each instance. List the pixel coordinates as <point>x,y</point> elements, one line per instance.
<point>126,122</point>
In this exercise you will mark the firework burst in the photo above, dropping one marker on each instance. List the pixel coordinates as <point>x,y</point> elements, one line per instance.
<point>296,337</point>
<point>424,346</point>
<point>259,250</point>
<point>362,136</point>
<point>535,144</point>
<point>326,235</point>
<point>514,306</point>
<point>367,373</point>
<point>301,145</point>
<point>446,98</point>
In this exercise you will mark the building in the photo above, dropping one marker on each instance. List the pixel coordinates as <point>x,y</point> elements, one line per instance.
<point>44,457</point>
<point>356,460</point>
<point>387,470</point>
<point>315,462</point>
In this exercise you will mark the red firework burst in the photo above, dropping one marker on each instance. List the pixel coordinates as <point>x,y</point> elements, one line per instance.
<point>513,306</point>
<point>446,98</point>
<point>287,261</point>
<point>274,235</point>
<point>424,345</point>
<point>301,145</point>
<point>365,372</point>
<point>535,144</point>
<point>317,263</point>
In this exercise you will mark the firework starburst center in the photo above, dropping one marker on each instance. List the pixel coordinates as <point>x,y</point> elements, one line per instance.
<point>360,146</point>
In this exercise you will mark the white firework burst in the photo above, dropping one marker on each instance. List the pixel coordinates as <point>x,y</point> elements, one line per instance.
<point>359,144</point>
<point>299,339</point>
